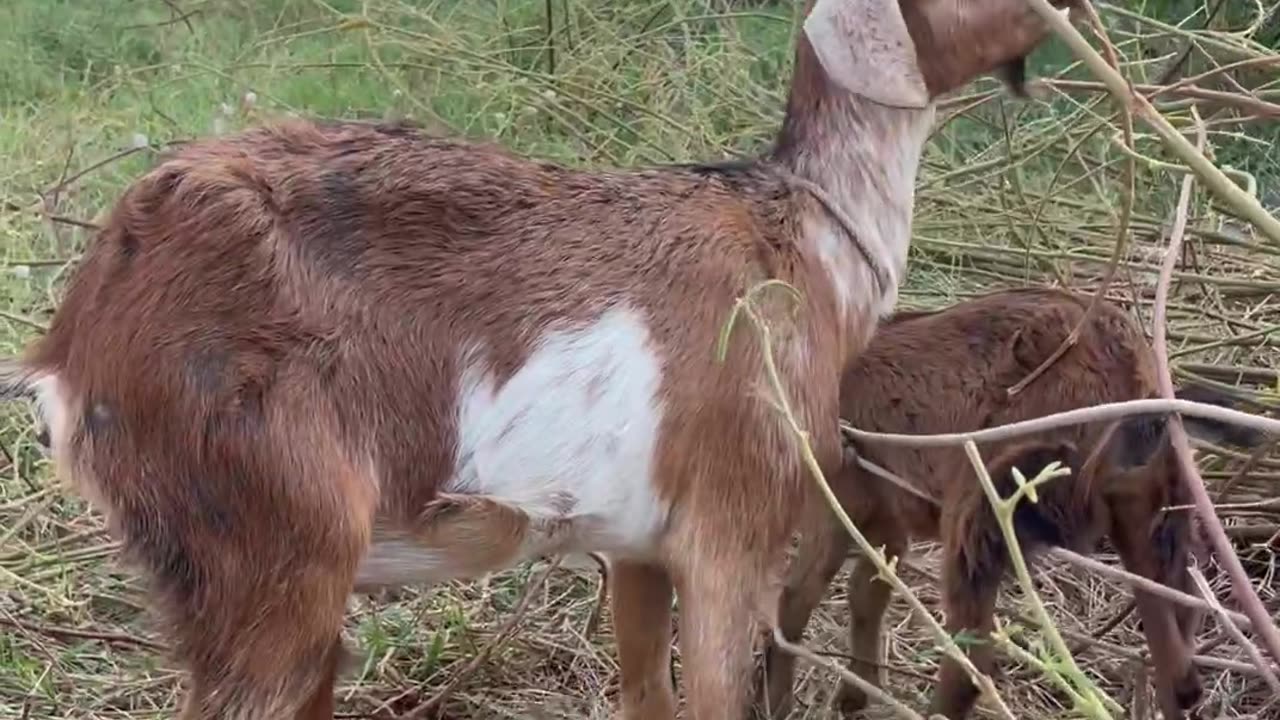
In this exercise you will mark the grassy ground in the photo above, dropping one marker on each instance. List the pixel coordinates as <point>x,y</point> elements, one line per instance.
<point>1011,193</point>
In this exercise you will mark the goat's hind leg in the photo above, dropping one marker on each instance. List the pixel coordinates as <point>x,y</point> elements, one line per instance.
<point>818,558</point>
<point>868,597</point>
<point>251,552</point>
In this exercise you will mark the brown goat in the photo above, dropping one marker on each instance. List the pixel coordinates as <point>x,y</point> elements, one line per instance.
<point>312,357</point>
<point>948,371</point>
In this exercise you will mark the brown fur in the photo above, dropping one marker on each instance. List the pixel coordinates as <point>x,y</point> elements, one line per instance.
<point>259,360</point>
<point>948,371</point>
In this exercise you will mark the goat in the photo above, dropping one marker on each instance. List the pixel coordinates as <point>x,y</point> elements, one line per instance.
<point>311,358</point>
<point>948,371</point>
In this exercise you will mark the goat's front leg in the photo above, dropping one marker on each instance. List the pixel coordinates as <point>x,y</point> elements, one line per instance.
<point>868,598</point>
<point>1178,686</point>
<point>818,558</point>
<point>641,600</point>
<point>970,586</point>
<point>728,574</point>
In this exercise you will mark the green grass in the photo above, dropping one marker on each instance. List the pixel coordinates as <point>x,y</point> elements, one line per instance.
<point>1010,193</point>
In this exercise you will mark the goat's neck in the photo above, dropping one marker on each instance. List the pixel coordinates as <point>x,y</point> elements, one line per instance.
<point>862,154</point>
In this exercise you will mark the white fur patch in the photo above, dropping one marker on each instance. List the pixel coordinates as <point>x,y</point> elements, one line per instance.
<point>568,440</point>
<point>53,407</point>
<point>870,172</point>
<point>571,435</point>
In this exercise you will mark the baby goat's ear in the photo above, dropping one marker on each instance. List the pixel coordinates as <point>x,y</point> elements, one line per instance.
<point>1215,431</point>
<point>865,48</point>
<point>1136,440</point>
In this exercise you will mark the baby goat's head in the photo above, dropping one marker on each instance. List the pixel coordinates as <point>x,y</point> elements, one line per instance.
<point>906,52</point>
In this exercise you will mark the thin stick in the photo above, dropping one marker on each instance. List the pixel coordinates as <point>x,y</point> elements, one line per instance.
<point>870,689</point>
<point>1147,584</point>
<point>1236,634</point>
<point>1244,591</point>
<point>1070,677</point>
<point>1070,556</point>
<point>1079,416</point>
<point>1122,227</point>
<point>436,701</point>
<point>876,555</point>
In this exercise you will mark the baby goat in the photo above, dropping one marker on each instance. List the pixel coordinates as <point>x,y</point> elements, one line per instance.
<point>313,357</point>
<point>948,371</point>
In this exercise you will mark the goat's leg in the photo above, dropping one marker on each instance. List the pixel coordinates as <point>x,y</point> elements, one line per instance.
<point>281,662</point>
<point>719,621</point>
<point>641,600</point>
<point>974,560</point>
<point>868,598</point>
<point>1178,686</point>
<point>818,558</point>
<point>321,705</point>
<point>254,581</point>
<point>728,580</point>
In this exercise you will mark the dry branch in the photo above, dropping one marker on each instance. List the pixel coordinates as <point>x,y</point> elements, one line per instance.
<point>1248,598</point>
<point>1240,201</point>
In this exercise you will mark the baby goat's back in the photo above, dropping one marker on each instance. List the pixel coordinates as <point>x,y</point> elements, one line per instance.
<point>950,370</point>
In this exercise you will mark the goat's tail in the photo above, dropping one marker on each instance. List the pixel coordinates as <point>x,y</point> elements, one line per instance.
<point>16,380</point>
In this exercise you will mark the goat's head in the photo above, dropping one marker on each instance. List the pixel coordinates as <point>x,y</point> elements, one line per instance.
<point>1139,475</point>
<point>1124,487</point>
<point>906,52</point>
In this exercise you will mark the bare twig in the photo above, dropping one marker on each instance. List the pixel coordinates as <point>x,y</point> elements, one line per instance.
<point>435,702</point>
<point>1229,627</point>
<point>1122,226</point>
<point>1244,591</point>
<point>73,633</point>
<point>1073,557</point>
<point>948,644</point>
<point>1065,672</point>
<point>1244,204</point>
<point>870,689</point>
<point>1079,416</point>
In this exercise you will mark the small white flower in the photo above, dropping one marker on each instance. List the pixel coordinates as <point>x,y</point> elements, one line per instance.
<point>139,140</point>
<point>22,271</point>
<point>250,98</point>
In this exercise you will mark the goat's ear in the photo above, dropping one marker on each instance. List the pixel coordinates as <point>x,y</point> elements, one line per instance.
<point>1136,440</point>
<point>864,47</point>
<point>1215,431</point>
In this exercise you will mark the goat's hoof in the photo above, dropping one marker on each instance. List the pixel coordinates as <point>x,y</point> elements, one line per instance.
<point>850,701</point>
<point>1188,692</point>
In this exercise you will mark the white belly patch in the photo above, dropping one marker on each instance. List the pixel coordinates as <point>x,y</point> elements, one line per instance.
<point>569,440</point>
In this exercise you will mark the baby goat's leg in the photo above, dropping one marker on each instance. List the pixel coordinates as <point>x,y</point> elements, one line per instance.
<point>971,609</point>
<point>868,598</point>
<point>818,558</point>
<point>641,599</point>
<point>974,559</point>
<point>1178,686</point>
